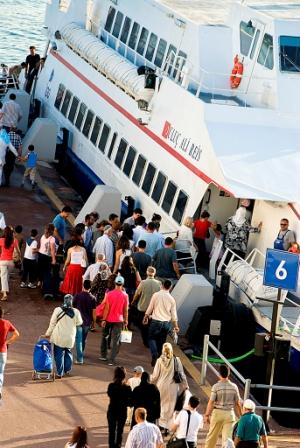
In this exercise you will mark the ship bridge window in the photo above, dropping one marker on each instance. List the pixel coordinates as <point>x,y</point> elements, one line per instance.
<point>88,123</point>
<point>134,35</point>
<point>289,54</point>
<point>139,169</point>
<point>158,187</point>
<point>129,161</point>
<point>148,179</point>
<point>80,116</point>
<point>110,19</point>
<point>171,58</point>
<point>247,31</point>
<point>121,152</point>
<point>73,109</point>
<point>65,106</point>
<point>125,30</point>
<point>59,96</point>
<point>180,61</point>
<point>257,34</point>
<point>117,24</point>
<point>160,52</point>
<point>96,130</point>
<point>169,197</point>
<point>104,138</point>
<point>142,41</point>
<point>265,56</point>
<point>180,206</point>
<point>112,144</point>
<point>151,47</point>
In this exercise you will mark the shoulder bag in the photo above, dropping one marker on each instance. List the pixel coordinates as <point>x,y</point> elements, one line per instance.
<point>180,443</point>
<point>177,377</point>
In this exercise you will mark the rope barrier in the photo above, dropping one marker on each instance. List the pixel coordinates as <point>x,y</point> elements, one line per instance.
<point>231,360</point>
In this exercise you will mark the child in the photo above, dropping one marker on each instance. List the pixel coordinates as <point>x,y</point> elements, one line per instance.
<point>133,382</point>
<point>294,248</point>
<point>31,162</point>
<point>30,261</point>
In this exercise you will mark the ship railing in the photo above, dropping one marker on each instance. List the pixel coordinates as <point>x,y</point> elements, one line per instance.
<point>245,383</point>
<point>186,264</point>
<point>7,82</point>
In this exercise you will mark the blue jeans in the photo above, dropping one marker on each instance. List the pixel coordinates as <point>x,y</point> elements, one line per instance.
<point>157,336</point>
<point>3,358</point>
<point>63,360</point>
<point>81,335</point>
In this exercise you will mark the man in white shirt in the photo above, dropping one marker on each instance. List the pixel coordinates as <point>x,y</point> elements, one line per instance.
<point>139,229</point>
<point>163,314</point>
<point>185,427</point>
<point>93,269</point>
<point>104,245</point>
<point>12,112</point>
<point>144,434</point>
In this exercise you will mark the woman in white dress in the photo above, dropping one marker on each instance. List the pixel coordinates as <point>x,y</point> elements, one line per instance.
<point>163,377</point>
<point>185,246</point>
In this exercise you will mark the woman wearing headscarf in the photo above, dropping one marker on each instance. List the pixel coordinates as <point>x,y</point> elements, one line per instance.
<point>163,377</point>
<point>99,284</point>
<point>146,395</point>
<point>237,230</point>
<point>62,333</point>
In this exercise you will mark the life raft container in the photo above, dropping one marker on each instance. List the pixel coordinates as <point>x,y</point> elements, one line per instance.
<point>236,73</point>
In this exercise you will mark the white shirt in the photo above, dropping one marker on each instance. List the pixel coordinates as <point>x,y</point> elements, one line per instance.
<point>196,422</point>
<point>184,240</point>
<point>144,435</point>
<point>134,381</point>
<point>91,271</point>
<point>63,332</point>
<point>162,307</point>
<point>104,245</point>
<point>28,250</point>
<point>12,113</point>
<point>137,233</point>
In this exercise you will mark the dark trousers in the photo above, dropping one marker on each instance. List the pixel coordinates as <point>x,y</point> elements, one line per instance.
<point>247,444</point>
<point>192,444</point>
<point>116,423</point>
<point>202,257</point>
<point>158,332</point>
<point>29,270</point>
<point>9,166</point>
<point>44,273</point>
<point>111,332</point>
<point>144,329</point>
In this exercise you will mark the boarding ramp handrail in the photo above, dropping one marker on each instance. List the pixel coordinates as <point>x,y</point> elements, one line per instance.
<point>7,82</point>
<point>246,382</point>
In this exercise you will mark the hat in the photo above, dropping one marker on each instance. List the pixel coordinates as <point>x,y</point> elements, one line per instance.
<point>68,300</point>
<point>119,280</point>
<point>138,369</point>
<point>249,404</point>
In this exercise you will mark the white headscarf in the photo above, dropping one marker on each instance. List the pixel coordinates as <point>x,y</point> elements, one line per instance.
<point>240,217</point>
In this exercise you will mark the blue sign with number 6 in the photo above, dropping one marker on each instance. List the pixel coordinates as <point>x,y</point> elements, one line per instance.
<point>281,269</point>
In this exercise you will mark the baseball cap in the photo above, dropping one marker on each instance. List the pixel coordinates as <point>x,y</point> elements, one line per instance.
<point>249,404</point>
<point>138,369</point>
<point>119,280</point>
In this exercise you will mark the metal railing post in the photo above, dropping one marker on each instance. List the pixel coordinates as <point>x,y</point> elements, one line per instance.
<point>204,359</point>
<point>247,388</point>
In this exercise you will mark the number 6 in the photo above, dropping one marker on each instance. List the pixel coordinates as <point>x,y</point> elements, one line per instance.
<point>281,272</point>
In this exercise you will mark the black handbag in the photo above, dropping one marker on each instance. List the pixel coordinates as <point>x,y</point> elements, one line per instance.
<point>178,378</point>
<point>179,443</point>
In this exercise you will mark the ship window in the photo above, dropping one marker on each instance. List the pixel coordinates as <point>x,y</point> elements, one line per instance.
<point>142,41</point>
<point>121,152</point>
<point>265,56</point>
<point>289,54</point>
<point>158,187</point>
<point>180,206</point>
<point>117,24</point>
<point>96,130</point>
<point>125,30</point>
<point>112,144</point>
<point>246,36</point>
<point>134,35</point>
<point>110,19</point>
<point>139,169</point>
<point>180,61</point>
<point>129,161</point>
<point>73,109</point>
<point>104,138</point>
<point>169,197</point>
<point>65,106</point>
<point>88,123</point>
<point>171,58</point>
<point>160,52</point>
<point>254,44</point>
<point>151,47</point>
<point>148,179</point>
<point>80,116</point>
<point>59,96</point>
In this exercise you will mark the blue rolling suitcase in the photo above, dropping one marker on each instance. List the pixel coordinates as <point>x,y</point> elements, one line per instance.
<point>43,360</point>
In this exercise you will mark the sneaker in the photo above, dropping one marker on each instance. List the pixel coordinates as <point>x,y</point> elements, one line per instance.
<point>23,285</point>
<point>102,358</point>
<point>78,363</point>
<point>31,285</point>
<point>110,363</point>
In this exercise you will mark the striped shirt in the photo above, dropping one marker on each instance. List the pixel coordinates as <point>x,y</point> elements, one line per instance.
<point>144,435</point>
<point>225,395</point>
<point>12,114</point>
<point>15,140</point>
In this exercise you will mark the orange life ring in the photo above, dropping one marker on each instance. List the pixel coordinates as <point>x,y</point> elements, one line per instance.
<point>236,73</point>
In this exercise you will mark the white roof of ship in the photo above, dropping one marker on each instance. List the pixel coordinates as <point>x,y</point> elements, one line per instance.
<point>214,12</point>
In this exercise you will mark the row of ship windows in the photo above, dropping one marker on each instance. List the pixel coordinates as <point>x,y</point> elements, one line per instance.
<point>160,189</point>
<point>137,38</point>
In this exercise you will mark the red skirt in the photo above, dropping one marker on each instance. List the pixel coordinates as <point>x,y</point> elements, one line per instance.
<point>72,283</point>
